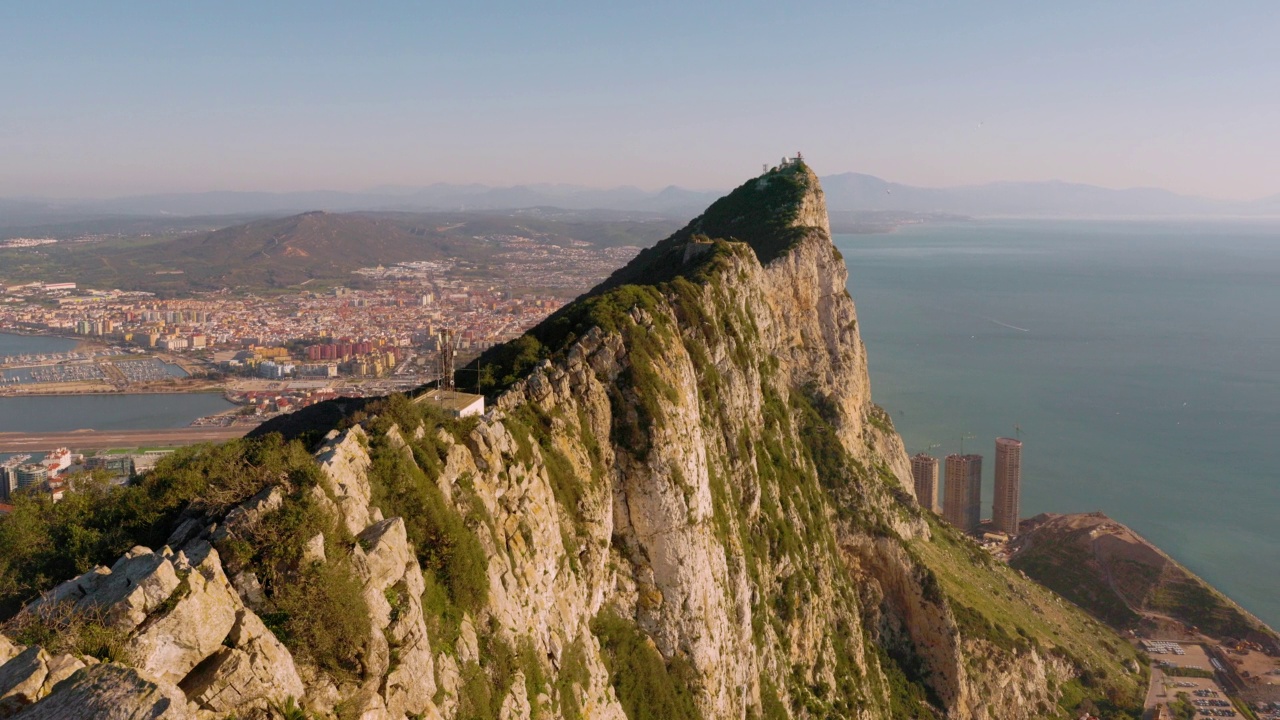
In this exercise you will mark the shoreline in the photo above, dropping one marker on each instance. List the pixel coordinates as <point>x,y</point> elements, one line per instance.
<point>82,340</point>
<point>111,391</point>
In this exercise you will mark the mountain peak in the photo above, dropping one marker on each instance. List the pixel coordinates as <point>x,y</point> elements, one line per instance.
<point>771,212</point>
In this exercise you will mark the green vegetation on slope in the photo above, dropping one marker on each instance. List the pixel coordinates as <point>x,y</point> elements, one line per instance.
<point>609,308</point>
<point>993,602</point>
<point>403,483</point>
<point>649,687</point>
<point>1092,560</point>
<point>1066,569</point>
<point>314,608</point>
<point>760,213</point>
<point>403,480</point>
<point>44,543</point>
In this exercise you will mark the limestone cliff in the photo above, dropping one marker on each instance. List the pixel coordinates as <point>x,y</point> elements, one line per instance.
<point>683,504</point>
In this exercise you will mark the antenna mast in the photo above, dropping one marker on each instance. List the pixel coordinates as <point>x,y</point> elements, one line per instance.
<point>445,369</point>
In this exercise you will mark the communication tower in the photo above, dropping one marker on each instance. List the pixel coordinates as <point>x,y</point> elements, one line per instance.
<point>445,344</point>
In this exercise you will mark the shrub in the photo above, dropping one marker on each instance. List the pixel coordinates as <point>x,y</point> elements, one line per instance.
<point>648,687</point>
<point>445,546</point>
<point>43,543</point>
<point>573,671</point>
<point>321,612</point>
<point>61,628</point>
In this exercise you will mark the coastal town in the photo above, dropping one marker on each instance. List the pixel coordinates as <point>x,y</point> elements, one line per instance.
<point>267,353</point>
<point>272,353</point>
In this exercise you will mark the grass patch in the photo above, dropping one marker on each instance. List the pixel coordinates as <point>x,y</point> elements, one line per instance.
<point>992,602</point>
<point>648,687</point>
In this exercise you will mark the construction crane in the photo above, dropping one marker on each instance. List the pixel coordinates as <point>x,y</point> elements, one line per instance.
<point>963,437</point>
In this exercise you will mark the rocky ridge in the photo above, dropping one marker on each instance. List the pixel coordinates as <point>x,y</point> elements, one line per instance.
<point>683,504</point>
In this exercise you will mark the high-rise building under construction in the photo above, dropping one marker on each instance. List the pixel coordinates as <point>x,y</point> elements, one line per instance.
<point>962,504</point>
<point>1004,507</point>
<point>924,471</point>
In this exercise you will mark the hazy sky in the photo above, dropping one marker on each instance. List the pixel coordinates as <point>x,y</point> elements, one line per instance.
<point>114,98</point>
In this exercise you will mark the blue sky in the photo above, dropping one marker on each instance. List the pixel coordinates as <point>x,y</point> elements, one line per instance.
<point>104,99</point>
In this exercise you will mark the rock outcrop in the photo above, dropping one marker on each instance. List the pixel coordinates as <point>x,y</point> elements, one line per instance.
<point>683,504</point>
<point>111,692</point>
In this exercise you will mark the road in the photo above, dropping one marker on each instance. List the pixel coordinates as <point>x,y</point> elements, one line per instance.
<point>1156,695</point>
<point>12,442</point>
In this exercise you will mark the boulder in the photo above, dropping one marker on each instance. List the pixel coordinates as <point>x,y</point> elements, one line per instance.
<point>134,587</point>
<point>449,683</point>
<point>60,668</point>
<point>345,464</point>
<point>22,680</point>
<point>516,705</point>
<point>246,516</point>
<point>254,671</point>
<point>389,554</point>
<point>468,645</point>
<point>7,649</point>
<point>313,552</point>
<point>186,531</point>
<point>249,588</point>
<point>111,692</point>
<point>410,681</point>
<point>366,706</point>
<point>170,646</point>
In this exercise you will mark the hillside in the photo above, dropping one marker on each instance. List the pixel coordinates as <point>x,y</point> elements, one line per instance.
<point>292,250</point>
<point>314,248</point>
<point>683,504</point>
<point>1115,574</point>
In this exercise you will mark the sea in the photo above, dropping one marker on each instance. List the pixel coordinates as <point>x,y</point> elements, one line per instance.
<point>1138,361</point>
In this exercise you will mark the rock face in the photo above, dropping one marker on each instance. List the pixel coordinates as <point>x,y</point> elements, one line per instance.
<point>684,504</point>
<point>252,671</point>
<point>22,679</point>
<point>111,692</point>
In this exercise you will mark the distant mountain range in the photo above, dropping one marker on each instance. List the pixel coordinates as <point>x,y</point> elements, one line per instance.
<point>315,246</point>
<point>857,192</point>
<point>846,192</point>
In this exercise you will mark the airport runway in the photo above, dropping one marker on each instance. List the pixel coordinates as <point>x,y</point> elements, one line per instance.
<point>11,442</point>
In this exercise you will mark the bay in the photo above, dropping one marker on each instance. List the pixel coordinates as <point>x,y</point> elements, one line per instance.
<point>11,344</point>
<point>1141,360</point>
<point>141,411</point>
<point>108,411</point>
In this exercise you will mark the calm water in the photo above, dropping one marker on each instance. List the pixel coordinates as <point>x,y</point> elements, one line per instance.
<point>30,345</point>
<point>1141,359</point>
<point>99,412</point>
<point>106,412</point>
